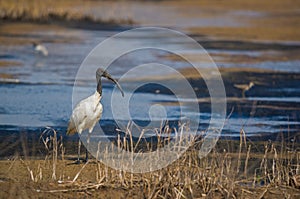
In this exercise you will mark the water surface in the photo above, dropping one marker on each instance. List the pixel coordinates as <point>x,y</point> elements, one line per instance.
<point>37,91</point>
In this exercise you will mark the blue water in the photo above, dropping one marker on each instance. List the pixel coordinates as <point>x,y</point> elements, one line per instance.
<point>39,91</point>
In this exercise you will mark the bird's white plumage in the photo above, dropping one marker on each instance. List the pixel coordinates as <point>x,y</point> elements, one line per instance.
<point>86,114</point>
<point>41,49</point>
<point>244,87</point>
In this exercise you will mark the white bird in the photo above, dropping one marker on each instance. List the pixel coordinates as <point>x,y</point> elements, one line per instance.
<point>244,87</point>
<point>88,111</point>
<point>40,48</point>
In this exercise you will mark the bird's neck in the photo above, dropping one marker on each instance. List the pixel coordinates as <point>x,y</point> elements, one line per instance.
<point>97,97</point>
<point>99,87</point>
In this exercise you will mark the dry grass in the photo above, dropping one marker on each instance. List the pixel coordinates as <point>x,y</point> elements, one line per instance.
<point>243,170</point>
<point>52,11</point>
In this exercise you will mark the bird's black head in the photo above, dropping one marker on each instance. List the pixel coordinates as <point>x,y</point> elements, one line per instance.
<point>34,44</point>
<point>100,73</point>
<point>103,73</point>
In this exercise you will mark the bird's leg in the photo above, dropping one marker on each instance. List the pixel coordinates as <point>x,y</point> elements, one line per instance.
<point>79,145</point>
<point>243,94</point>
<point>86,155</point>
<point>86,150</point>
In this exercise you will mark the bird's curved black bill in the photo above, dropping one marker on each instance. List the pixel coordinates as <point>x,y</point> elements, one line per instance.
<point>101,72</point>
<point>117,83</point>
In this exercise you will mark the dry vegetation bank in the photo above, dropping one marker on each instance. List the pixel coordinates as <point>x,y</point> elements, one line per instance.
<point>63,12</point>
<point>235,169</point>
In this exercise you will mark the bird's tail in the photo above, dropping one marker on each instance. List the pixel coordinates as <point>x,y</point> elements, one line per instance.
<point>71,128</point>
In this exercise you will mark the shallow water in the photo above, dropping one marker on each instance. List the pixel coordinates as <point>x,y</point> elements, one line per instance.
<point>38,92</point>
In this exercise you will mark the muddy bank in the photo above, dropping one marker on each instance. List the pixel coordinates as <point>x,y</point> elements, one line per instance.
<point>247,45</point>
<point>268,21</point>
<point>238,166</point>
<point>86,22</point>
<point>264,79</point>
<point>234,19</point>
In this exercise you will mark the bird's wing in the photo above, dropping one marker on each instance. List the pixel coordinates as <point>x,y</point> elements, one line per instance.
<point>85,115</point>
<point>98,115</point>
<point>78,115</point>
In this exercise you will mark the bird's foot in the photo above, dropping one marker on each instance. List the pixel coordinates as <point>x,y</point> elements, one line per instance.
<point>77,161</point>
